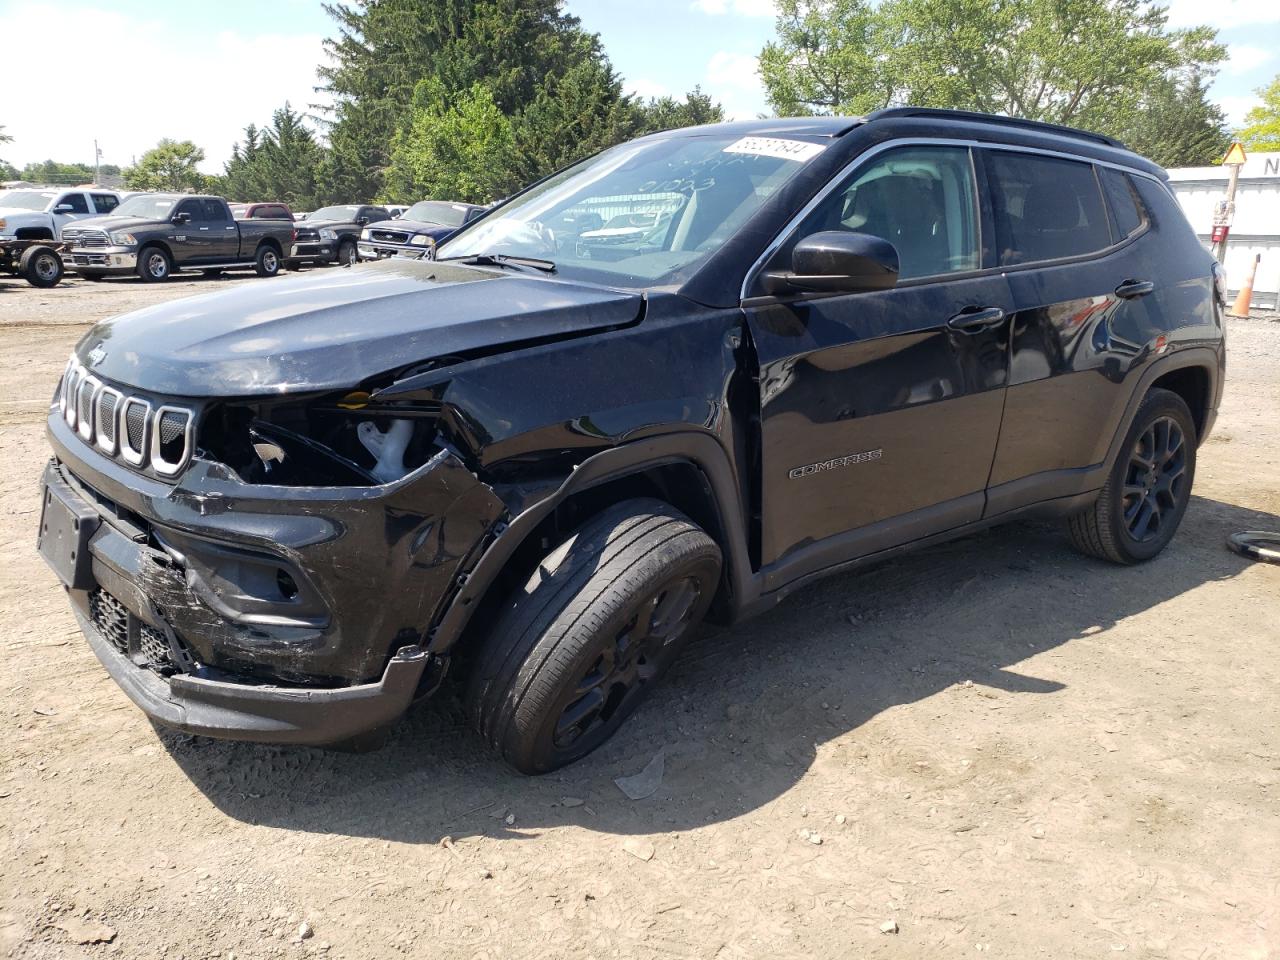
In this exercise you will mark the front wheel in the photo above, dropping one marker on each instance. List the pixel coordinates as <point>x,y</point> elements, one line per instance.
<point>1148,488</point>
<point>154,265</point>
<point>591,633</point>
<point>267,262</point>
<point>348,256</point>
<point>41,266</point>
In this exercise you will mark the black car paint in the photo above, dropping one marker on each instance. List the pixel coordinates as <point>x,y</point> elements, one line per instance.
<point>562,390</point>
<point>194,243</point>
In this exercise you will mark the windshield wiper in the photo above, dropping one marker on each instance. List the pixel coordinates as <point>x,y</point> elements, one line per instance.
<point>502,260</point>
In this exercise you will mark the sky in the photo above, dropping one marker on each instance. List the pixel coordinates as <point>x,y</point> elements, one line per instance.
<point>129,72</point>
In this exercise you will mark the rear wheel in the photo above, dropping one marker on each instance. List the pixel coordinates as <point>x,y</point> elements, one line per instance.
<point>267,262</point>
<point>591,633</point>
<point>1148,488</point>
<point>41,266</point>
<point>154,265</point>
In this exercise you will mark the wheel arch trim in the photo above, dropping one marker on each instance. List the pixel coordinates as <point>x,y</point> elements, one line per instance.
<point>699,450</point>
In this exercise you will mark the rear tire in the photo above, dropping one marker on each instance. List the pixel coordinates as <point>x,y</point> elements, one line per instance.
<point>1148,488</point>
<point>154,265</point>
<point>41,266</point>
<point>590,634</point>
<point>267,262</point>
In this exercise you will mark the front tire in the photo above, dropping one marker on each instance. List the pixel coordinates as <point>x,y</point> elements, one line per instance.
<point>41,266</point>
<point>267,262</point>
<point>1148,488</point>
<point>348,256</point>
<point>591,633</point>
<point>154,265</point>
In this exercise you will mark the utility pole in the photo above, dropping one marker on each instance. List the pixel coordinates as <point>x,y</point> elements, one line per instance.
<point>1225,211</point>
<point>97,155</point>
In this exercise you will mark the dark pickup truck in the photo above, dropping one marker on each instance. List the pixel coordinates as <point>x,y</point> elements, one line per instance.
<point>155,234</point>
<point>330,234</point>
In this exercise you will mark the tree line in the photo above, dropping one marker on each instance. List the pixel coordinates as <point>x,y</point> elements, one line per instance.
<point>471,99</point>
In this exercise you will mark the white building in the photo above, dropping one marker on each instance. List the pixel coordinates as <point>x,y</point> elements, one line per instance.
<point>1256,229</point>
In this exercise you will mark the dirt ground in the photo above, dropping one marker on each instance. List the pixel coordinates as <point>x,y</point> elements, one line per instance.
<point>993,746</point>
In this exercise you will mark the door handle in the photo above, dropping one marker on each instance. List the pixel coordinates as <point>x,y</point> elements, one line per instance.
<point>1130,289</point>
<point>976,319</point>
<point>204,228</point>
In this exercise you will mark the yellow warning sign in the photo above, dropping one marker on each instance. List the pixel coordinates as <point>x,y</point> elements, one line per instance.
<point>1235,156</point>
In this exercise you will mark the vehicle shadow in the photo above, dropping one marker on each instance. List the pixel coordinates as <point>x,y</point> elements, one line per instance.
<point>744,713</point>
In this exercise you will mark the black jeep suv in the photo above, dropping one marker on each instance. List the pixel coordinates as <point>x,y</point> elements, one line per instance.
<point>544,460</point>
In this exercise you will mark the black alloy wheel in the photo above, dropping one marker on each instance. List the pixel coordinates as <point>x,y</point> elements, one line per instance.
<point>1155,478</point>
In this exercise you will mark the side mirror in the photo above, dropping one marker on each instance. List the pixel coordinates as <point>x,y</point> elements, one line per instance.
<point>181,218</point>
<point>64,208</point>
<point>836,261</point>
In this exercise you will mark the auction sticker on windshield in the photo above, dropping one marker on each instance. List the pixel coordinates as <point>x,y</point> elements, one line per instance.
<point>776,147</point>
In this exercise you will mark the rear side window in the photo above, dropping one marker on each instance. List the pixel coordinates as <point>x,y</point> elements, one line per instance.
<point>105,202</point>
<point>920,199</point>
<point>214,212</point>
<point>1045,208</point>
<point>1125,207</point>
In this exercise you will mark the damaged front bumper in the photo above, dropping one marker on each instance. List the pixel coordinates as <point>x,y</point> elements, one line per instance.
<point>258,613</point>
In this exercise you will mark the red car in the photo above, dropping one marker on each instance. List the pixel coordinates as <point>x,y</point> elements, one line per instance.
<point>261,211</point>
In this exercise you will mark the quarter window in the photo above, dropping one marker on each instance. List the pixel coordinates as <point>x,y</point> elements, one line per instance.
<point>1045,208</point>
<point>920,199</point>
<point>1124,204</point>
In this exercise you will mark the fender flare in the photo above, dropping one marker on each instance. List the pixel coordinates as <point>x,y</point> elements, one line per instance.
<point>700,450</point>
<point>1205,357</point>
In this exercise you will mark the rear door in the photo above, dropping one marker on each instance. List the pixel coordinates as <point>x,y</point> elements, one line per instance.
<point>224,237</point>
<point>880,411</point>
<point>1071,236</point>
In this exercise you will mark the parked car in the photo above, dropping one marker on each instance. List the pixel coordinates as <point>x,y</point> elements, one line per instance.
<point>261,211</point>
<point>284,519</point>
<point>331,234</point>
<point>416,233</point>
<point>41,214</point>
<point>155,234</point>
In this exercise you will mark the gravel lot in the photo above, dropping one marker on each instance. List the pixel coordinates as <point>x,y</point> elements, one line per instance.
<point>994,745</point>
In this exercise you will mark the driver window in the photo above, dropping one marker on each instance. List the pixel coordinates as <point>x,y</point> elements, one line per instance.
<point>75,201</point>
<point>920,199</point>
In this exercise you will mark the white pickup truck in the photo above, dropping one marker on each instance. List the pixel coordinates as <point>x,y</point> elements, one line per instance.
<point>36,213</point>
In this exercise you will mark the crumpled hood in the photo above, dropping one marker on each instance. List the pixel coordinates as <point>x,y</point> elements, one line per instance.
<point>334,328</point>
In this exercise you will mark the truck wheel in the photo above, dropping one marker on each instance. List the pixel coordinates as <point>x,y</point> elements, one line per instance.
<point>1148,488</point>
<point>154,265</point>
<point>267,262</point>
<point>591,633</point>
<point>41,266</point>
<point>348,256</point>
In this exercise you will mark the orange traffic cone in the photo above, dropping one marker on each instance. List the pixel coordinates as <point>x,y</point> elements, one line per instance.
<point>1245,297</point>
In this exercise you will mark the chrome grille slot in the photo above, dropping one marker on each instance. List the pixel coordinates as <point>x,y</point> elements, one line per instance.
<point>170,440</point>
<point>108,407</point>
<point>86,394</point>
<point>133,438</point>
<point>87,238</point>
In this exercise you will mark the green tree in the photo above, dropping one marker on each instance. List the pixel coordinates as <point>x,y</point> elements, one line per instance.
<point>56,173</point>
<point>458,147</point>
<point>1089,63</point>
<point>169,165</point>
<point>668,113</point>
<point>1177,125</point>
<point>8,171</point>
<point>1262,123</point>
<point>280,162</point>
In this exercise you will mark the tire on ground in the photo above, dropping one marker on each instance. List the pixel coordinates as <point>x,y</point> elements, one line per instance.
<point>41,266</point>
<point>154,265</point>
<point>1101,530</point>
<point>597,588</point>
<point>267,261</point>
<point>347,255</point>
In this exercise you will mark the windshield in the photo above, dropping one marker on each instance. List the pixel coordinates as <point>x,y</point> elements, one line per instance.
<point>642,211</point>
<point>27,199</point>
<point>146,208</point>
<point>437,211</point>
<point>347,212</point>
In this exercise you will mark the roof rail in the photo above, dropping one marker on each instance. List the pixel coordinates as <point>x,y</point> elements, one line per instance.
<point>992,118</point>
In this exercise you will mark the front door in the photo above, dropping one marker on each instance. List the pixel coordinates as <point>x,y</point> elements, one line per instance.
<point>880,411</point>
